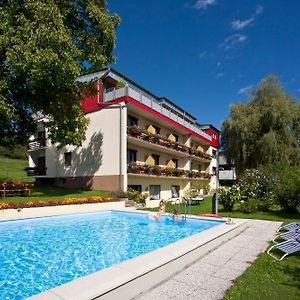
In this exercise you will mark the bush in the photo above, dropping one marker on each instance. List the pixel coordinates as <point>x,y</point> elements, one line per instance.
<point>17,152</point>
<point>202,186</point>
<point>136,196</point>
<point>288,187</point>
<point>229,196</point>
<point>259,185</point>
<point>250,206</point>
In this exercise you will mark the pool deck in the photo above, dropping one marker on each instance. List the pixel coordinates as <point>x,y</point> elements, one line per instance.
<point>212,275</point>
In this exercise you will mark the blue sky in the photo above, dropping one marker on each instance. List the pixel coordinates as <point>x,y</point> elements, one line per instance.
<point>205,55</point>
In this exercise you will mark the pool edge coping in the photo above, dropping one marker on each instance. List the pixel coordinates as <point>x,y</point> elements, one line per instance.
<point>132,277</point>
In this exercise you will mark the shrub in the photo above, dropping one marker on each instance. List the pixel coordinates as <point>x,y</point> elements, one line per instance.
<point>288,187</point>
<point>202,186</point>
<point>250,206</point>
<point>229,196</point>
<point>257,184</point>
<point>136,196</point>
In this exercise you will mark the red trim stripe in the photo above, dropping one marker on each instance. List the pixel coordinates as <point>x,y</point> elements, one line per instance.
<point>156,114</point>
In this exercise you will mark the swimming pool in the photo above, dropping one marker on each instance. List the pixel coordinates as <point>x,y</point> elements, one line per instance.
<point>39,254</point>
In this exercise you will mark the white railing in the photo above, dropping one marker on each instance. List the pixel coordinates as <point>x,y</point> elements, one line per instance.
<point>156,105</point>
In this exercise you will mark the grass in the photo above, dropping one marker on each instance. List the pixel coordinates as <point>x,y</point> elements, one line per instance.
<point>46,193</point>
<point>266,278</point>
<point>13,170</point>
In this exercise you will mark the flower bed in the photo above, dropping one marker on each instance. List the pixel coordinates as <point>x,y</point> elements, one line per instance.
<point>54,202</point>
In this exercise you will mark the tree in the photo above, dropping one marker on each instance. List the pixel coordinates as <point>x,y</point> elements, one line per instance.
<point>44,47</point>
<point>264,130</point>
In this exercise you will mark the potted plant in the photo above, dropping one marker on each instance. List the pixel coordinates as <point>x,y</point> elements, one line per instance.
<point>156,170</point>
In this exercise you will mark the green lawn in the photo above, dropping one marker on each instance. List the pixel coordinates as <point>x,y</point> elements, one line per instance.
<point>266,278</point>
<point>13,170</point>
<point>46,193</point>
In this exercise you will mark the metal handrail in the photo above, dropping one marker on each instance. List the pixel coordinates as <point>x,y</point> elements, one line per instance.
<point>146,99</point>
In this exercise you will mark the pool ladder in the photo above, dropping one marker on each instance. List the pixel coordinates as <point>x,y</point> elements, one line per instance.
<point>187,207</point>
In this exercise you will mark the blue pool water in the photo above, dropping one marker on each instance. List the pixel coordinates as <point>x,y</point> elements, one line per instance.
<point>39,254</point>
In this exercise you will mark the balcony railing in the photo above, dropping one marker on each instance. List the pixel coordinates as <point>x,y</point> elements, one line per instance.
<point>36,144</point>
<point>156,105</point>
<point>141,134</point>
<point>35,171</point>
<point>134,168</point>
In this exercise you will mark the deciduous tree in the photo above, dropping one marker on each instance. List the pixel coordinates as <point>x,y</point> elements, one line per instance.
<point>264,130</point>
<point>44,47</point>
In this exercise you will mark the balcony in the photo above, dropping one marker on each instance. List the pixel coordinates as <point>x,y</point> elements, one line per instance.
<point>143,169</point>
<point>143,135</point>
<point>157,105</point>
<point>37,144</point>
<point>35,171</point>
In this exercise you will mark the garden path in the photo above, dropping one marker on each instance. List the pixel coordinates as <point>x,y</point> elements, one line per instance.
<point>210,277</point>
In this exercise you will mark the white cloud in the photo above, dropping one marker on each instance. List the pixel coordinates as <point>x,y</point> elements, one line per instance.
<point>259,9</point>
<point>219,75</point>
<point>233,40</point>
<point>239,24</point>
<point>218,64</point>
<point>298,90</point>
<point>203,4</point>
<point>245,90</point>
<point>203,54</point>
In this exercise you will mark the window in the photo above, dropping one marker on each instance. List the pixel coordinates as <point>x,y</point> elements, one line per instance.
<point>131,155</point>
<point>199,167</point>
<point>135,187</point>
<point>175,191</point>
<point>214,170</point>
<point>132,121</point>
<point>214,136</point>
<point>175,162</point>
<point>68,159</point>
<point>156,159</point>
<point>157,129</point>
<point>214,153</point>
<point>154,192</point>
<point>41,135</point>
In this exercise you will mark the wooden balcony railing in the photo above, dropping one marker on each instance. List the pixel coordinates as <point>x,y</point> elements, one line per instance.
<point>36,144</point>
<point>135,168</point>
<point>139,133</point>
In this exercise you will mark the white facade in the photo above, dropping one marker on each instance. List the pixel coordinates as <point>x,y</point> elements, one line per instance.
<point>102,160</point>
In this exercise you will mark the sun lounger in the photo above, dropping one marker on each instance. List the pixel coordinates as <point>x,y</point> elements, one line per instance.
<point>290,226</point>
<point>287,247</point>
<point>289,235</point>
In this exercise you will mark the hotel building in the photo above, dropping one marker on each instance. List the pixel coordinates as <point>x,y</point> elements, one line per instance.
<point>134,140</point>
